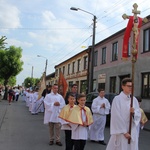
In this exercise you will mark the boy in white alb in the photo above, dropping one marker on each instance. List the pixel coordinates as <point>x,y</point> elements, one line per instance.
<point>64,114</point>
<point>100,108</point>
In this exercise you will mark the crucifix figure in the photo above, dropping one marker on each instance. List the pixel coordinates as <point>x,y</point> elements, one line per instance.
<point>134,25</point>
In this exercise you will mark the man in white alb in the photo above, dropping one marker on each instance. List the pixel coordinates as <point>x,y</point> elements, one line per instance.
<point>53,102</point>
<point>120,118</point>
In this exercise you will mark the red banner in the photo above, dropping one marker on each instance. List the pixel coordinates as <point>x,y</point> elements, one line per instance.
<point>62,85</point>
<point>127,35</point>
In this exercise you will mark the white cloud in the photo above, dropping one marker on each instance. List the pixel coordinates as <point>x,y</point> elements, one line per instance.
<point>18,43</point>
<point>9,15</point>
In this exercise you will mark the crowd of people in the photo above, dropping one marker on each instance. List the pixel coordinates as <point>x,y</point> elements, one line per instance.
<point>10,93</point>
<point>80,123</point>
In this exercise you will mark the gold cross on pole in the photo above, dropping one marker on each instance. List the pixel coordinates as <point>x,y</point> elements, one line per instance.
<point>134,24</point>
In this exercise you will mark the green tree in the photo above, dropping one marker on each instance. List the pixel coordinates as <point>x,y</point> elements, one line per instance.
<point>37,80</point>
<point>10,63</point>
<point>12,81</point>
<point>2,42</point>
<point>31,82</point>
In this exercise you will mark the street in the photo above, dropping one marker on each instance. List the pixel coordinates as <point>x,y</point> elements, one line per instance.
<point>19,130</point>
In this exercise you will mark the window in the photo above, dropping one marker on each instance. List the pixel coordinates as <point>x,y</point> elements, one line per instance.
<point>85,62</point>
<point>79,65</point>
<point>115,51</point>
<point>59,70</point>
<point>146,85</point>
<point>68,68</point>
<point>146,41</point>
<point>112,85</point>
<point>95,58</point>
<point>56,72</point>
<point>73,67</point>
<point>63,69</point>
<point>104,55</point>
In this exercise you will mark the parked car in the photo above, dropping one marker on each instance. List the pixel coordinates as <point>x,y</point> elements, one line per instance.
<point>93,95</point>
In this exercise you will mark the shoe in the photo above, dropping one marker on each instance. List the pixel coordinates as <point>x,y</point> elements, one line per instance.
<point>102,142</point>
<point>59,143</point>
<point>51,143</point>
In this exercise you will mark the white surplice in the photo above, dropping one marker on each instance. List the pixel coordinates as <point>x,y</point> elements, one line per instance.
<point>79,132</point>
<point>120,116</point>
<point>99,117</point>
<point>51,111</point>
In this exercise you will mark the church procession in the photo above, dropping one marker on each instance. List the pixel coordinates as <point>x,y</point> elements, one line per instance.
<point>66,123</point>
<point>56,115</point>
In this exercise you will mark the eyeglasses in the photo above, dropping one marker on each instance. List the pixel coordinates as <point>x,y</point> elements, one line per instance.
<point>130,86</point>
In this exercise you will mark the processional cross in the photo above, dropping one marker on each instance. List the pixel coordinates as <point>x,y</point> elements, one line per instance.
<point>134,25</point>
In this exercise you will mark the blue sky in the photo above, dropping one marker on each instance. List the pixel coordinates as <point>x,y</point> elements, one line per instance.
<point>50,29</point>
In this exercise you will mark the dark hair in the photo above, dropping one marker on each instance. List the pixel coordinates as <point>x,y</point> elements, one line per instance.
<point>70,94</point>
<point>80,96</point>
<point>48,86</point>
<point>73,85</point>
<point>99,90</point>
<point>55,84</point>
<point>125,80</point>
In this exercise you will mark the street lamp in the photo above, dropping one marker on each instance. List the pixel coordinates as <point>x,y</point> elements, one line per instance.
<point>45,62</point>
<point>90,83</point>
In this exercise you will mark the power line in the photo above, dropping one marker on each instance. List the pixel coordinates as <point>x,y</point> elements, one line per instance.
<point>4,28</point>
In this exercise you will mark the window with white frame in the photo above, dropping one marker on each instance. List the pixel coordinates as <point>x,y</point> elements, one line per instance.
<point>146,85</point>
<point>146,40</point>
<point>103,55</point>
<point>68,68</point>
<point>79,65</point>
<point>85,62</point>
<point>95,57</point>
<point>115,51</point>
<point>73,67</point>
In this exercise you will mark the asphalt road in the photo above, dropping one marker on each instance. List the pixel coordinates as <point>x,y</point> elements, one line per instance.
<point>19,130</point>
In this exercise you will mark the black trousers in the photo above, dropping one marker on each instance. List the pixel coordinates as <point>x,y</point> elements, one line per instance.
<point>68,140</point>
<point>79,144</point>
<point>17,96</point>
